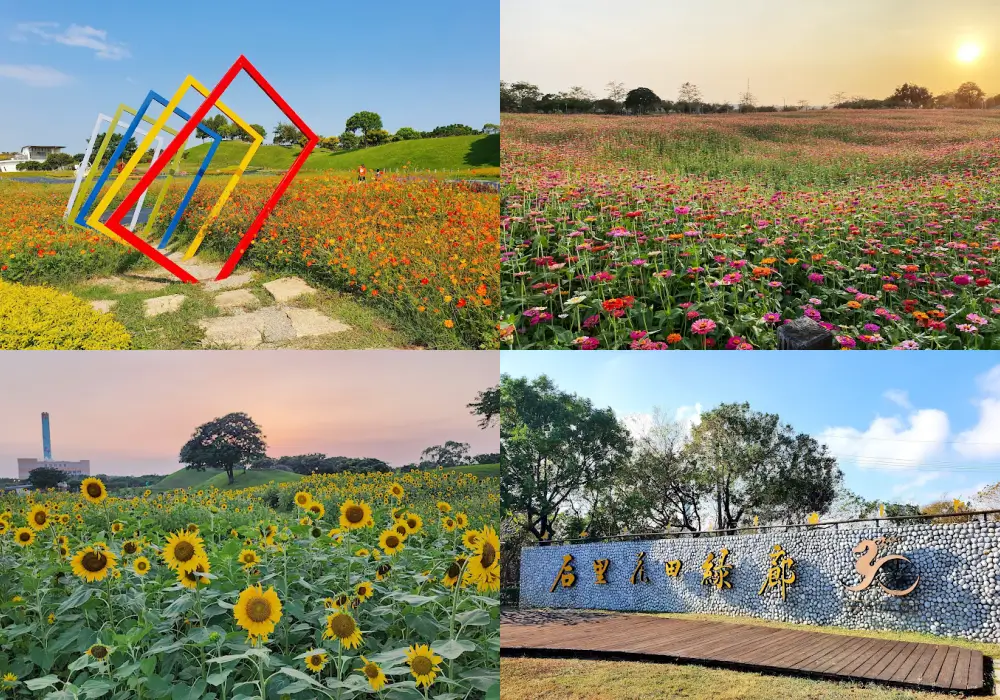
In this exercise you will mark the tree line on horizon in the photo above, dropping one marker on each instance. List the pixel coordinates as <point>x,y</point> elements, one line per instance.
<point>573,470</point>
<point>362,130</point>
<point>525,97</point>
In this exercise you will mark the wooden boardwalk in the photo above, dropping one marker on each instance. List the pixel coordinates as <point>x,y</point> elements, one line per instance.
<point>752,647</point>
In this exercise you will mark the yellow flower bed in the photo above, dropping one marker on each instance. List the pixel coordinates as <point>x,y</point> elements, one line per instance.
<point>39,318</point>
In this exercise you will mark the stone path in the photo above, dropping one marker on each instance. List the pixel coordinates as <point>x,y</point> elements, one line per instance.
<point>246,322</point>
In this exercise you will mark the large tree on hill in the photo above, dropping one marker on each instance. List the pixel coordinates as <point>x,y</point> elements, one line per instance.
<point>555,448</point>
<point>128,152</point>
<point>641,100</point>
<point>365,122</point>
<point>287,135</point>
<point>225,443</point>
<point>450,454</point>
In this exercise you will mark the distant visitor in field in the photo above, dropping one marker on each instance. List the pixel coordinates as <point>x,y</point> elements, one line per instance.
<point>361,173</point>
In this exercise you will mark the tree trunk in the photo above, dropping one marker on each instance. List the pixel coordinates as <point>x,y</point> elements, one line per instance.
<point>229,473</point>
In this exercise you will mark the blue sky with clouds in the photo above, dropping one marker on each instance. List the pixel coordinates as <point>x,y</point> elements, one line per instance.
<point>906,426</point>
<point>63,61</point>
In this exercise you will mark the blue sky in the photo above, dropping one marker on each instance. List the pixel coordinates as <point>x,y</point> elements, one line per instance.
<point>906,426</point>
<point>63,61</point>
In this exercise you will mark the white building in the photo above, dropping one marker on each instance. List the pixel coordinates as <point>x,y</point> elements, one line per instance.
<point>35,153</point>
<point>25,465</point>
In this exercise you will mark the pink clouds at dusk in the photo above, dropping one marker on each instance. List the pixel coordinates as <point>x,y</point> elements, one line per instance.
<point>130,412</point>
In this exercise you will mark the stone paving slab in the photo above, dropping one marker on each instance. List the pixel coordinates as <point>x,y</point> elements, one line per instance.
<point>310,322</point>
<point>288,288</point>
<point>163,305</point>
<point>240,279</point>
<point>246,331</point>
<point>104,305</point>
<point>236,299</point>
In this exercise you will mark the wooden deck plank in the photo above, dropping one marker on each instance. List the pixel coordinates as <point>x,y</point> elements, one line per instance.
<point>803,651</point>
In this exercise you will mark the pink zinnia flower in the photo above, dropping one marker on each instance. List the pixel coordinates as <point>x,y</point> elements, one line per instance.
<point>703,326</point>
<point>961,280</point>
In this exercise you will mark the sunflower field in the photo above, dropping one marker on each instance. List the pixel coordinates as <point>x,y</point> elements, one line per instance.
<point>335,586</point>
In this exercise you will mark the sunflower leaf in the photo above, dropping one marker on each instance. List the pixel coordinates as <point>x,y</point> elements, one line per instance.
<point>452,648</point>
<point>80,596</point>
<point>474,618</point>
<point>300,676</point>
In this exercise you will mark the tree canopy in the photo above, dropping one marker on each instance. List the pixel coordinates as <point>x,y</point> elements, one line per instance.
<point>224,443</point>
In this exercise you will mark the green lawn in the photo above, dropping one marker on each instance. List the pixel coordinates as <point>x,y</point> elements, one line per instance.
<point>244,480</point>
<point>185,478</point>
<point>448,153</point>
<point>480,470</point>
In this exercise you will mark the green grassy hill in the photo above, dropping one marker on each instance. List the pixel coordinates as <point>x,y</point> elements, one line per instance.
<point>243,480</point>
<point>185,478</point>
<point>448,153</point>
<point>480,470</point>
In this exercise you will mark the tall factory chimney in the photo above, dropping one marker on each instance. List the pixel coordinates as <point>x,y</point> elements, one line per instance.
<point>46,440</point>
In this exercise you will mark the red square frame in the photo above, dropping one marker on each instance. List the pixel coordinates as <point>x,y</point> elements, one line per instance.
<point>114,222</point>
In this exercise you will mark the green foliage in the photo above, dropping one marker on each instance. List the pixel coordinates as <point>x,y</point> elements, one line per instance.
<point>224,443</point>
<point>349,140</point>
<point>487,406</point>
<point>330,143</point>
<point>641,100</point>
<point>45,478</point>
<point>450,130</point>
<point>365,122</point>
<point>116,139</point>
<point>287,135</point>
<point>406,133</point>
<point>39,318</point>
<point>555,448</point>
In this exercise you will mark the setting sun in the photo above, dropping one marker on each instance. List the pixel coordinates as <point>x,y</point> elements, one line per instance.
<point>967,53</point>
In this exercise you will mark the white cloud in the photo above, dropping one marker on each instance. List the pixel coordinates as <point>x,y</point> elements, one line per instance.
<point>36,76</point>
<point>686,417</point>
<point>898,397</point>
<point>81,36</point>
<point>983,440</point>
<point>989,383</point>
<point>888,442</point>
<point>913,483</point>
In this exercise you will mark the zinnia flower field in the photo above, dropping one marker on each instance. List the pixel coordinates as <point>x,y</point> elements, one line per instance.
<point>423,251</point>
<point>334,586</point>
<point>693,232</point>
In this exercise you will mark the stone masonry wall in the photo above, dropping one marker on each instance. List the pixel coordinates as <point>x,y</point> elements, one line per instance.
<point>956,595</point>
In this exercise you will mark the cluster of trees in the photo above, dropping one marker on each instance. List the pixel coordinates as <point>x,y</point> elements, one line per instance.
<point>364,129</point>
<point>54,161</point>
<point>569,468</point>
<point>49,478</point>
<point>526,97</point>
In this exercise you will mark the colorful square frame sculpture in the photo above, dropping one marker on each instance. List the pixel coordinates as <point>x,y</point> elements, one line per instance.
<point>114,225</point>
<point>130,130</point>
<point>111,227</point>
<point>101,118</point>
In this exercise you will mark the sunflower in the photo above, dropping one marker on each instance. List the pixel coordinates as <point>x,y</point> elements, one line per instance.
<point>414,523</point>
<point>373,672</point>
<point>364,591</point>
<point>9,679</point>
<point>191,579</point>
<point>38,518</point>
<point>341,602</point>
<point>305,520</point>
<point>390,541</point>
<point>248,558</point>
<point>24,536</point>
<point>401,530</point>
<point>258,611</point>
<point>449,524</point>
<point>131,547</point>
<point>444,506</point>
<point>483,566</point>
<point>98,652</point>
<point>64,518</point>
<point>382,572</point>
<point>117,527</point>
<point>183,550</point>
<point>4,526</point>
<point>354,515</point>
<point>316,661</point>
<point>51,619</point>
<point>141,566</point>
<point>341,626</point>
<point>471,538</point>
<point>317,509</point>
<point>396,490</point>
<point>93,490</point>
<point>423,664</point>
<point>303,499</point>
<point>453,572</point>
<point>462,520</point>
<point>93,564</point>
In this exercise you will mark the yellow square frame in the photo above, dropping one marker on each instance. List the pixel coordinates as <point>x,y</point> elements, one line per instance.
<point>189,83</point>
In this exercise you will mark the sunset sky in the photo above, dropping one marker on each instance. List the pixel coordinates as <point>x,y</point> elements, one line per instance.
<point>130,412</point>
<point>789,49</point>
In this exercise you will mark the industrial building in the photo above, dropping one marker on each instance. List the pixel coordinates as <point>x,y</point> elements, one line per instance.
<point>72,469</point>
